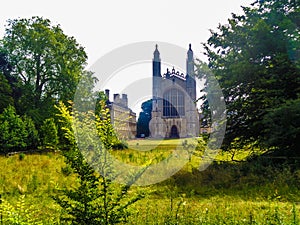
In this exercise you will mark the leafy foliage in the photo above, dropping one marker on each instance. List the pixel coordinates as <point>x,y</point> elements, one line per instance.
<point>17,133</point>
<point>96,199</point>
<point>255,59</point>
<point>48,133</point>
<point>32,139</point>
<point>5,93</point>
<point>45,63</point>
<point>104,126</point>
<point>85,97</point>
<point>19,214</point>
<point>108,134</point>
<point>283,127</point>
<point>13,131</point>
<point>204,73</point>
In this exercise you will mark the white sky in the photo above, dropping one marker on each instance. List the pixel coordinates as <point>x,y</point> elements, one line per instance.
<point>101,26</point>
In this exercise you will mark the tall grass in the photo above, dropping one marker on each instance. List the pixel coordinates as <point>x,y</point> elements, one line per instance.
<point>255,192</point>
<point>216,210</point>
<point>35,177</point>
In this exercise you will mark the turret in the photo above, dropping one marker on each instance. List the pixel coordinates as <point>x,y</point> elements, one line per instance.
<point>190,77</point>
<point>156,80</point>
<point>190,61</point>
<point>156,63</point>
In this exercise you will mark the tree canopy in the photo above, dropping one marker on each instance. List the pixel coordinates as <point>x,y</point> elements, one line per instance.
<point>39,66</point>
<point>5,93</point>
<point>256,59</point>
<point>44,64</point>
<point>17,133</point>
<point>144,119</point>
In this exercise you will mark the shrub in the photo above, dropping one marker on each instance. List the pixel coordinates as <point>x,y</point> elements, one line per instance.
<point>67,170</point>
<point>119,145</point>
<point>21,156</point>
<point>49,134</point>
<point>96,199</point>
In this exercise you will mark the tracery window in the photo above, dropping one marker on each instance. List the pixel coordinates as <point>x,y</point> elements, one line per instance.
<point>173,103</point>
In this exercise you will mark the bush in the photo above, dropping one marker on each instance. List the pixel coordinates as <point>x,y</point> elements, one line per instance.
<point>119,145</point>
<point>67,170</point>
<point>21,156</point>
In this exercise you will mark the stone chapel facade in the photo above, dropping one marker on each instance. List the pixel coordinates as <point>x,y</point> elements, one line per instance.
<point>174,111</point>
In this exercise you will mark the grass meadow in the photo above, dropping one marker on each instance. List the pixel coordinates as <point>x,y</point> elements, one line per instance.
<point>260,191</point>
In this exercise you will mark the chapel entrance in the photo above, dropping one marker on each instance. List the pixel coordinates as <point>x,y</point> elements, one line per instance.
<point>174,132</point>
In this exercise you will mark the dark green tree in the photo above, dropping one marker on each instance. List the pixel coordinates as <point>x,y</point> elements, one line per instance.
<point>49,134</point>
<point>5,66</point>
<point>282,128</point>
<point>255,58</point>
<point>6,90</point>
<point>144,118</point>
<point>32,139</point>
<point>17,133</point>
<point>45,63</point>
<point>13,131</point>
<point>5,93</point>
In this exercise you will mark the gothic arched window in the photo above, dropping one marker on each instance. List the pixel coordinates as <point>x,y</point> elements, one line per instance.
<point>173,103</point>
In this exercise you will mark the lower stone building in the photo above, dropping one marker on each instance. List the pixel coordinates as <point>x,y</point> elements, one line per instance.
<point>122,117</point>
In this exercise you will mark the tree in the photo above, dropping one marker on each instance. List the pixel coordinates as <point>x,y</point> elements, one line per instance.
<point>255,59</point>
<point>13,131</point>
<point>32,139</point>
<point>17,133</point>
<point>104,126</point>
<point>204,73</point>
<point>5,70</point>
<point>5,93</point>
<point>46,64</point>
<point>282,128</point>
<point>48,133</point>
<point>144,118</point>
<point>5,66</point>
<point>96,199</point>
<point>85,97</point>
<point>6,90</point>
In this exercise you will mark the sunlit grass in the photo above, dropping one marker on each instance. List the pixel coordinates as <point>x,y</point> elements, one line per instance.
<point>154,142</point>
<point>215,210</point>
<point>225,192</point>
<point>141,151</point>
<point>36,176</point>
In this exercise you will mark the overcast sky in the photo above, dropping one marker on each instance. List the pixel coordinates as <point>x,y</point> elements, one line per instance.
<point>101,26</point>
